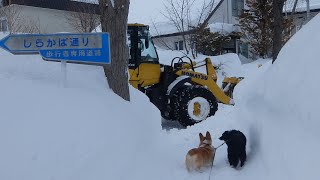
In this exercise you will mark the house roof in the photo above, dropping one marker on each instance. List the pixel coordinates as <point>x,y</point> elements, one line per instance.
<point>167,29</point>
<point>222,28</point>
<point>65,5</point>
<point>218,4</point>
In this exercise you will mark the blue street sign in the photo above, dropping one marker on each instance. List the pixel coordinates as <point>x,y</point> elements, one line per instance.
<point>88,48</point>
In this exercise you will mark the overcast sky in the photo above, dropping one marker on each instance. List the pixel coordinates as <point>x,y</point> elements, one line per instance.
<point>145,11</point>
<point>142,11</point>
<point>148,11</point>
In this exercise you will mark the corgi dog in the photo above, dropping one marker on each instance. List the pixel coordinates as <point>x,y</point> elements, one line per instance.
<point>201,157</point>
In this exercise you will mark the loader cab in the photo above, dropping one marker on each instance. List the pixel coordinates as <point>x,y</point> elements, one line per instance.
<point>141,47</point>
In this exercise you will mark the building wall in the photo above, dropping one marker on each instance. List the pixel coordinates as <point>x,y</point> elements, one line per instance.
<point>168,43</point>
<point>224,13</point>
<point>49,20</point>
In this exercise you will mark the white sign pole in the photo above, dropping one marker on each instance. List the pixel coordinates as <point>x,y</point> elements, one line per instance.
<point>64,72</point>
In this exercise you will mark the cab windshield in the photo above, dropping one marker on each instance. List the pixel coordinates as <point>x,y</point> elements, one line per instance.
<point>148,53</point>
<point>141,46</point>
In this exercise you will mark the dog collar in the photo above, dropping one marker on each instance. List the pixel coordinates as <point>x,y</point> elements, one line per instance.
<point>205,143</point>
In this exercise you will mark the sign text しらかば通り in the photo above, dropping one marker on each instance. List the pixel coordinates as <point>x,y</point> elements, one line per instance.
<point>90,48</point>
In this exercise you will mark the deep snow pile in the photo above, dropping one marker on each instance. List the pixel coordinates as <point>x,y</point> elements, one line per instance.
<point>281,109</point>
<point>82,131</point>
<point>229,63</point>
<point>276,107</point>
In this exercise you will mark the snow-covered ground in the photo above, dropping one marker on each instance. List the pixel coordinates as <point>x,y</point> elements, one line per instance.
<point>281,110</point>
<point>84,131</point>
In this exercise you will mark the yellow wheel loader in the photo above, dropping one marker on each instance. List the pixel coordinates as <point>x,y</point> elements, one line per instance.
<point>177,90</point>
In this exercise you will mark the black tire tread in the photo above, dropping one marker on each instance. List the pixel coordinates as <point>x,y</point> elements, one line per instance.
<point>181,98</point>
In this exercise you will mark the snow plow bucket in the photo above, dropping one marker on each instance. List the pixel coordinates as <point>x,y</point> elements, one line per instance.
<point>228,85</point>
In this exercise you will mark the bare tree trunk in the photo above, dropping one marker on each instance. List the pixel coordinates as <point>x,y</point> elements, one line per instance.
<point>278,27</point>
<point>114,18</point>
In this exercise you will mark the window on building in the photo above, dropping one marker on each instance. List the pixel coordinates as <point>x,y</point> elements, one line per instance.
<point>3,25</point>
<point>5,2</point>
<point>178,45</point>
<point>237,7</point>
<point>244,49</point>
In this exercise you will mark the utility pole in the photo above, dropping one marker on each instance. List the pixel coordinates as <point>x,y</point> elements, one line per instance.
<point>294,7</point>
<point>308,10</point>
<point>277,27</point>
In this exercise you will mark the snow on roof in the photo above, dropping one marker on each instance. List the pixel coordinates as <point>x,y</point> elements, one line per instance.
<point>165,28</point>
<point>88,1</point>
<point>223,28</point>
<point>162,28</point>
<point>64,5</point>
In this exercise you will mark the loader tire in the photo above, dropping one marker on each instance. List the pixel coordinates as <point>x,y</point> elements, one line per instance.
<point>193,104</point>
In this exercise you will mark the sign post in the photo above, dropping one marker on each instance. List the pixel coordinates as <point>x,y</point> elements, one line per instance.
<point>88,48</point>
<point>64,72</point>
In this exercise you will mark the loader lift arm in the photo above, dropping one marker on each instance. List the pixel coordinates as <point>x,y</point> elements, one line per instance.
<point>177,90</point>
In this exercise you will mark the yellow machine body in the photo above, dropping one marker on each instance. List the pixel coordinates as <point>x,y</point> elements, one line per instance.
<point>149,74</point>
<point>167,85</point>
<point>145,75</point>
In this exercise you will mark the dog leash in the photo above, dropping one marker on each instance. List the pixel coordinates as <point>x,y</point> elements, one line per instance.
<point>213,158</point>
<point>219,146</point>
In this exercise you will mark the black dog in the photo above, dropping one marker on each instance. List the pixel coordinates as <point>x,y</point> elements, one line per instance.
<point>236,142</point>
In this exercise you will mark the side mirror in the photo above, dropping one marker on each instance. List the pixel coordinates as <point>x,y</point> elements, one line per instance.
<point>147,43</point>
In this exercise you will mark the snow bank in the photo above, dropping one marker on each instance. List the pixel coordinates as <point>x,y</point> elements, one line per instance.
<point>281,108</point>
<point>80,132</point>
<point>229,64</point>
